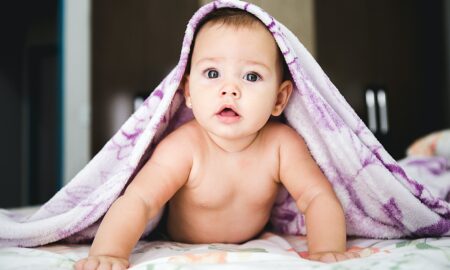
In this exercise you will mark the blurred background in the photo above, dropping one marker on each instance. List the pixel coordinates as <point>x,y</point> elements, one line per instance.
<point>71,72</point>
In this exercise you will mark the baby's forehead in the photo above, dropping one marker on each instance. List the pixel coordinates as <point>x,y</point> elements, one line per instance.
<point>251,25</point>
<point>256,25</point>
<point>256,31</point>
<point>244,40</point>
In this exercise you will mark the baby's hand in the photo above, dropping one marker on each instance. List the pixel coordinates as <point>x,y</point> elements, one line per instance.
<point>330,257</point>
<point>101,262</point>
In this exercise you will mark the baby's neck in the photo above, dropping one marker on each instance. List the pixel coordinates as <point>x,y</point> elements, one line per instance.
<point>232,145</point>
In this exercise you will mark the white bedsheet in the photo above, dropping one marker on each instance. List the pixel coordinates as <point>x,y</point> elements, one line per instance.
<point>270,251</point>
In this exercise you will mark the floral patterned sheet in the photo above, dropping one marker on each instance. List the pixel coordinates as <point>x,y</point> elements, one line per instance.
<point>270,251</point>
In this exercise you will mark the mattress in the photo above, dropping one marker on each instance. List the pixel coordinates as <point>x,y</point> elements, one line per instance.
<point>269,251</point>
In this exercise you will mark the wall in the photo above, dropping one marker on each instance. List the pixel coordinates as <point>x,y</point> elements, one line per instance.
<point>134,45</point>
<point>396,46</point>
<point>76,86</point>
<point>27,102</point>
<point>446,11</point>
<point>10,116</point>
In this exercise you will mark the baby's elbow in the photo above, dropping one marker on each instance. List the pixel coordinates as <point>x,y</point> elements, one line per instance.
<point>137,202</point>
<point>315,195</point>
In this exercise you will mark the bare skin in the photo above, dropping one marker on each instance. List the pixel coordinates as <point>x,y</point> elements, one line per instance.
<point>219,189</point>
<point>220,173</point>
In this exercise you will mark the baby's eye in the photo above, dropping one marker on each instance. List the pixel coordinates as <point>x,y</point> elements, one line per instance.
<point>212,74</point>
<point>252,77</point>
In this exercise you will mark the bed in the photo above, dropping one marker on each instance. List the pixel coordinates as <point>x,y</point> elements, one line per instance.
<point>269,251</point>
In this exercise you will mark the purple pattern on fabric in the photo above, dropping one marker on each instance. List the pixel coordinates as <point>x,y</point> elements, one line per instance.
<point>357,202</point>
<point>159,93</point>
<point>394,213</point>
<point>271,25</point>
<point>440,228</point>
<point>419,190</point>
<point>436,166</point>
<point>294,61</point>
<point>286,52</point>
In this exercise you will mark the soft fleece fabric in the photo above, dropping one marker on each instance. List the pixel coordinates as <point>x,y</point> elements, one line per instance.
<point>380,200</point>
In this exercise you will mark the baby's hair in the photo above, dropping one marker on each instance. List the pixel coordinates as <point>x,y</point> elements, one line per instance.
<point>237,18</point>
<point>229,16</point>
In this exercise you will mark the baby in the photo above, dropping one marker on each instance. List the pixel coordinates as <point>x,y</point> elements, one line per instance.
<point>220,173</point>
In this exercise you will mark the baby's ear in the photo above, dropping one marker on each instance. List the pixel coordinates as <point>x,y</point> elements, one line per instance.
<point>187,93</point>
<point>283,94</point>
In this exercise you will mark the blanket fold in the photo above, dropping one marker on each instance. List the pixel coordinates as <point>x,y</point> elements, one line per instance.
<point>381,198</point>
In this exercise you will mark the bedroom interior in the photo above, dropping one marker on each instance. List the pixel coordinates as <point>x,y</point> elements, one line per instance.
<point>390,45</point>
<point>65,92</point>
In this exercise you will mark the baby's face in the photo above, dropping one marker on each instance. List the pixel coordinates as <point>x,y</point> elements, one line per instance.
<point>234,79</point>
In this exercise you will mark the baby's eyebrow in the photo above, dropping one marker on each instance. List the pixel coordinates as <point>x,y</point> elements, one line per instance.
<point>217,59</point>
<point>208,59</point>
<point>256,63</point>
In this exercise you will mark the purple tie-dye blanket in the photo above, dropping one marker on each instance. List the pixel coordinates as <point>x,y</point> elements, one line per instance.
<point>380,198</point>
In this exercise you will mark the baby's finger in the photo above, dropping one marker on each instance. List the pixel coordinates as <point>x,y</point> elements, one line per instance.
<point>328,258</point>
<point>315,257</point>
<point>80,264</point>
<point>91,264</point>
<point>352,255</point>
<point>105,265</point>
<point>118,266</point>
<point>340,257</point>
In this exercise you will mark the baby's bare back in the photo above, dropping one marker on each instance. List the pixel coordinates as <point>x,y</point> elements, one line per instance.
<point>229,196</point>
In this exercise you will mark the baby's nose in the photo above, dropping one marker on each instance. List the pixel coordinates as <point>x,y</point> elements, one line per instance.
<point>231,91</point>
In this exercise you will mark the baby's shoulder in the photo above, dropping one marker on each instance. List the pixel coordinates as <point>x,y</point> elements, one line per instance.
<point>178,142</point>
<point>186,134</point>
<point>281,132</point>
<point>291,145</point>
<point>285,138</point>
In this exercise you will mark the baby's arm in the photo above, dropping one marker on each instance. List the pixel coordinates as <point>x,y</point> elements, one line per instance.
<point>314,196</point>
<point>158,180</point>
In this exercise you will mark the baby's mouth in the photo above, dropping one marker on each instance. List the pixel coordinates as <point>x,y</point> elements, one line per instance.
<point>228,112</point>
